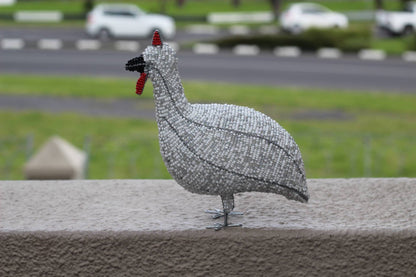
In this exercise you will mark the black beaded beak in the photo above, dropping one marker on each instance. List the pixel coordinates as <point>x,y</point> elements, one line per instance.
<point>136,64</point>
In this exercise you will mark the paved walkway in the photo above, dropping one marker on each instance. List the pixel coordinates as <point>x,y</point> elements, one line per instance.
<point>87,106</point>
<point>124,108</point>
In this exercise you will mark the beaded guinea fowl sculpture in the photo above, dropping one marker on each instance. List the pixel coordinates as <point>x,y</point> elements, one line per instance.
<point>217,149</point>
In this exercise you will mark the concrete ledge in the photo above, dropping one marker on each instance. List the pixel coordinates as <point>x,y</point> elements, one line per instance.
<point>244,252</point>
<point>357,227</point>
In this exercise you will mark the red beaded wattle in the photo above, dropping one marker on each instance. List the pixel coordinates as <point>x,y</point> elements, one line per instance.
<point>140,83</point>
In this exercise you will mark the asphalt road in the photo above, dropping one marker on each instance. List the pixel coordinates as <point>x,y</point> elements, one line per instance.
<point>304,71</point>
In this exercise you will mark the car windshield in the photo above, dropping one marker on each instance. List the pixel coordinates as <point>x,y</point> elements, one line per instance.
<point>119,13</point>
<point>314,9</point>
<point>122,10</point>
<point>410,7</point>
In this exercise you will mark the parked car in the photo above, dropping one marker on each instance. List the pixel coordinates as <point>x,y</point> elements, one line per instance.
<point>398,23</point>
<point>127,20</point>
<point>301,16</point>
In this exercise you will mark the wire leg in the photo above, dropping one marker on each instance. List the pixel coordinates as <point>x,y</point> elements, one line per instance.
<point>228,206</point>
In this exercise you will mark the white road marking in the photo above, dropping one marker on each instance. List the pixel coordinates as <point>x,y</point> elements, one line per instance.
<point>205,48</point>
<point>287,51</point>
<point>50,44</point>
<point>88,44</point>
<point>246,50</point>
<point>12,43</point>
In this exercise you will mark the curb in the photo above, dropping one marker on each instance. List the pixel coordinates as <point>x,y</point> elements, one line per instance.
<point>294,51</point>
<point>246,50</point>
<point>198,48</point>
<point>372,54</point>
<point>287,51</point>
<point>205,48</point>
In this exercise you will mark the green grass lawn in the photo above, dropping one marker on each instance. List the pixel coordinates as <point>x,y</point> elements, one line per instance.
<point>394,45</point>
<point>192,7</point>
<point>359,134</point>
<point>120,148</point>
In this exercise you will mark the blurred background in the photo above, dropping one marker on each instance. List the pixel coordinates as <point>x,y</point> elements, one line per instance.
<point>339,75</point>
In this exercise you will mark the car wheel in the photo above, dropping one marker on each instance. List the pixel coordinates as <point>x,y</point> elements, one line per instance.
<point>104,34</point>
<point>408,30</point>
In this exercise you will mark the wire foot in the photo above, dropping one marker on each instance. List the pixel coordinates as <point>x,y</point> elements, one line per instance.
<point>217,213</point>
<point>220,226</point>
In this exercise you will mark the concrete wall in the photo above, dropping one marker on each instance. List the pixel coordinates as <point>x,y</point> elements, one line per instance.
<point>351,227</point>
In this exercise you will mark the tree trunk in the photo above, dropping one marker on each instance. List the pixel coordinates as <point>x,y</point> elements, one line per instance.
<point>378,4</point>
<point>236,3</point>
<point>180,3</point>
<point>275,5</point>
<point>88,5</point>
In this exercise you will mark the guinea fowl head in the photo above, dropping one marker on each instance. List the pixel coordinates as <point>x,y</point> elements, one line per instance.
<point>158,58</point>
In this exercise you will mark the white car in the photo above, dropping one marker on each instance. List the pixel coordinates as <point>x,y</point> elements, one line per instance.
<point>398,23</point>
<point>301,16</point>
<point>127,20</point>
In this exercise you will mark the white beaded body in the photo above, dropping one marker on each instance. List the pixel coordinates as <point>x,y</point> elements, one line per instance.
<point>220,149</point>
